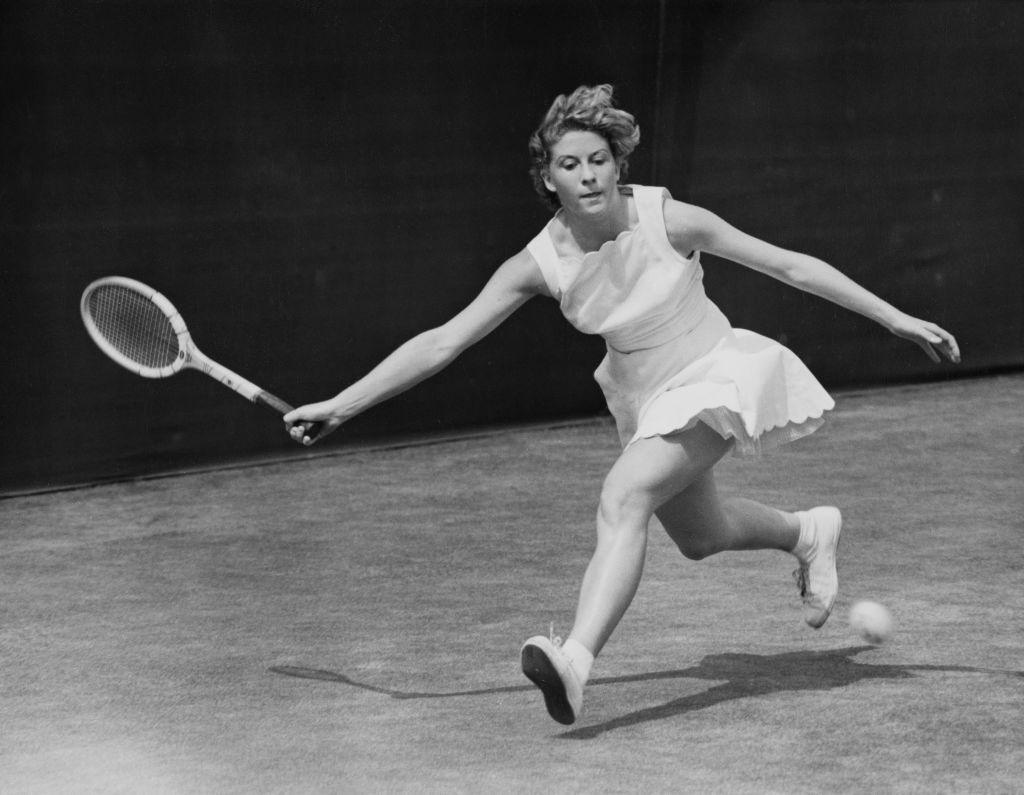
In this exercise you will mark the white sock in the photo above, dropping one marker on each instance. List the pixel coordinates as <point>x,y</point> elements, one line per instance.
<point>805,544</point>
<point>580,659</point>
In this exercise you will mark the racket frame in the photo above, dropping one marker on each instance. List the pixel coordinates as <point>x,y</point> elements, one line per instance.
<point>188,354</point>
<point>162,303</point>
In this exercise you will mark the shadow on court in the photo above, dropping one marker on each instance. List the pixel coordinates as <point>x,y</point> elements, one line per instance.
<point>742,676</point>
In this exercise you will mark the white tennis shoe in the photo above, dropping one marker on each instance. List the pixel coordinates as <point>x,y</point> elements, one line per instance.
<point>548,667</point>
<point>817,576</point>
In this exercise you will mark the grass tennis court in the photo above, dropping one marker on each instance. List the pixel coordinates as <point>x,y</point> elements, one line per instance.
<point>351,622</point>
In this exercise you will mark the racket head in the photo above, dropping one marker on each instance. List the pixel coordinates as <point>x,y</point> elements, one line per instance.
<point>135,326</point>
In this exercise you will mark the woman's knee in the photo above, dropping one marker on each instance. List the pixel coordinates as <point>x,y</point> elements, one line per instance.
<point>652,472</point>
<point>623,508</point>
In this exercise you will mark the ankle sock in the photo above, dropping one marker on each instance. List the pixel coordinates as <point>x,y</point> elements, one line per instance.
<point>579,657</point>
<point>805,544</point>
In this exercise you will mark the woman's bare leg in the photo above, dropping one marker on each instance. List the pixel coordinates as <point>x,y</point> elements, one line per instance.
<point>701,523</point>
<point>647,475</point>
<point>671,476</point>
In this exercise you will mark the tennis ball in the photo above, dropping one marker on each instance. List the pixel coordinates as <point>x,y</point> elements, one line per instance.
<point>871,621</point>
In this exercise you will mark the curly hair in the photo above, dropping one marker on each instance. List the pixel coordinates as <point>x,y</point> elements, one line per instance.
<point>587,109</point>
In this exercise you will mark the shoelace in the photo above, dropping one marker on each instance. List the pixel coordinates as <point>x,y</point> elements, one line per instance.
<point>800,575</point>
<point>803,575</point>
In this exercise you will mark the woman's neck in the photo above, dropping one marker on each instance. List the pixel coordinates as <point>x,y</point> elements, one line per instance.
<point>590,232</point>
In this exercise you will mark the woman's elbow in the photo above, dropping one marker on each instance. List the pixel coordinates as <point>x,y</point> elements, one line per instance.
<point>440,347</point>
<point>800,271</point>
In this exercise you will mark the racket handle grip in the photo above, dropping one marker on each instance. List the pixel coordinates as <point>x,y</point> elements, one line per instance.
<point>310,429</point>
<point>273,402</point>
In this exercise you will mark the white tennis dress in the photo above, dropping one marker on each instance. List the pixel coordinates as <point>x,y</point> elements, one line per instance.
<point>673,358</point>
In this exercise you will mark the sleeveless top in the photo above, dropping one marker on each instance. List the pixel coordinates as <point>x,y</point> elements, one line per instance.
<point>672,358</point>
<point>636,291</point>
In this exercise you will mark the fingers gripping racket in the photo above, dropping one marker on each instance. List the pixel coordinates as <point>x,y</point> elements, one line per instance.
<point>141,330</point>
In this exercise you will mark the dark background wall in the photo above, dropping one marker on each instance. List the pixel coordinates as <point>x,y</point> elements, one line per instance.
<point>886,138</point>
<point>311,183</point>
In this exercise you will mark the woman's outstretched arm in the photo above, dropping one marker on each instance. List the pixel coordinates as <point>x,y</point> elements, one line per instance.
<point>691,227</point>
<point>516,281</point>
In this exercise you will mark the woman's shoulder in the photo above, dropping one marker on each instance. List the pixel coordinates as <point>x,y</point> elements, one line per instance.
<point>685,224</point>
<point>681,223</point>
<point>680,212</point>
<point>528,268</point>
<point>675,212</point>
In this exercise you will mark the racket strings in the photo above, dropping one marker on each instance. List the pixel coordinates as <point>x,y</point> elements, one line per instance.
<point>134,325</point>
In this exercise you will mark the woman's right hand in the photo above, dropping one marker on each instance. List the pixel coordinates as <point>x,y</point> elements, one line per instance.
<point>322,418</point>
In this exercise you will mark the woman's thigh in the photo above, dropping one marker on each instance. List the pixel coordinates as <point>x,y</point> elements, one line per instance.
<point>695,519</point>
<point>654,472</point>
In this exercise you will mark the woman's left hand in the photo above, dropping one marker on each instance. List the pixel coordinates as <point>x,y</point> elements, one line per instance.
<point>933,339</point>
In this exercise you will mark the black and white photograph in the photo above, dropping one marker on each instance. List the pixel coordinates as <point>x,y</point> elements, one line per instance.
<point>486,396</point>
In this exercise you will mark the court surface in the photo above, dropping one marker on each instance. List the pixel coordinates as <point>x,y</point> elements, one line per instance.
<point>351,622</point>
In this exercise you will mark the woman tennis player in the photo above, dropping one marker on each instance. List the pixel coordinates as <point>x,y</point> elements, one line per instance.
<point>684,386</point>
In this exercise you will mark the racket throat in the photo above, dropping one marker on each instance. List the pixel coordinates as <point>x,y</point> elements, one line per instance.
<point>221,373</point>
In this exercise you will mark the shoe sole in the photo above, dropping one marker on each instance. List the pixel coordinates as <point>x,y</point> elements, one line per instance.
<point>835,557</point>
<point>539,670</point>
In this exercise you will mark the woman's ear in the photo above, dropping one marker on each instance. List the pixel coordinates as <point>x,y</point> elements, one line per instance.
<point>546,177</point>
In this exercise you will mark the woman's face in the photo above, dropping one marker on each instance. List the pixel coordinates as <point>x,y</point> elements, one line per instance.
<point>583,172</point>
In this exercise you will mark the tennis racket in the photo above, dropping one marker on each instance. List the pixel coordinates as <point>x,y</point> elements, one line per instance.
<point>141,330</point>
